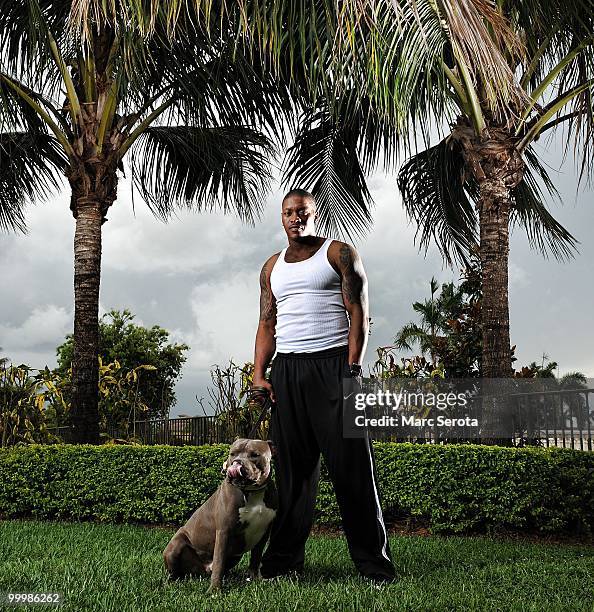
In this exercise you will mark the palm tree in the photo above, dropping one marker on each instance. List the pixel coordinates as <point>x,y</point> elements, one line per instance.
<point>532,73</point>
<point>499,73</point>
<point>448,326</point>
<point>194,119</point>
<point>433,320</point>
<point>86,85</point>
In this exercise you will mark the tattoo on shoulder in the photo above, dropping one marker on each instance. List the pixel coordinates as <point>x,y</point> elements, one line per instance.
<point>263,273</point>
<point>267,301</point>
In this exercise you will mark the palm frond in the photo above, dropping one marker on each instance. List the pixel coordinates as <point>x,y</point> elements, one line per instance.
<point>229,88</point>
<point>201,168</point>
<point>324,159</point>
<point>550,30</point>
<point>429,311</point>
<point>326,50</point>
<point>24,41</point>
<point>15,113</point>
<point>402,47</point>
<point>573,380</point>
<point>482,35</point>
<point>559,39</point>
<point>580,124</point>
<point>436,198</point>
<point>29,167</point>
<point>409,335</point>
<point>544,232</point>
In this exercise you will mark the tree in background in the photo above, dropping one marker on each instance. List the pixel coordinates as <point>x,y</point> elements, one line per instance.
<point>35,405</point>
<point>131,346</point>
<point>563,404</point>
<point>79,94</point>
<point>31,402</point>
<point>449,327</point>
<point>503,73</point>
<point>449,332</point>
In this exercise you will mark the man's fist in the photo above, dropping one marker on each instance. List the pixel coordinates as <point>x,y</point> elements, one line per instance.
<point>262,382</point>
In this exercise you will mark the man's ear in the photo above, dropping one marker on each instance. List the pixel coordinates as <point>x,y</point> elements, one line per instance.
<point>225,465</point>
<point>272,447</point>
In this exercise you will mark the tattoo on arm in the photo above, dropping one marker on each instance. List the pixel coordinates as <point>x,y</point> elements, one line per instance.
<point>352,282</point>
<point>267,301</point>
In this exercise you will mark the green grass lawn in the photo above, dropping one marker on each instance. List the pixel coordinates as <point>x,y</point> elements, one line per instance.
<point>120,568</point>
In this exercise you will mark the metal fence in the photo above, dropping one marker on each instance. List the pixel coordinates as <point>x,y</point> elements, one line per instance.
<point>178,432</point>
<point>175,432</point>
<point>548,418</point>
<point>561,418</point>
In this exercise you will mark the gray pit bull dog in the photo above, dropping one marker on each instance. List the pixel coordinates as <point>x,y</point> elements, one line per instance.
<point>235,519</point>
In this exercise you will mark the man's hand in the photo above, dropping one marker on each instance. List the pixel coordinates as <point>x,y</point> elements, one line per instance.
<point>356,370</point>
<point>355,373</point>
<point>262,382</point>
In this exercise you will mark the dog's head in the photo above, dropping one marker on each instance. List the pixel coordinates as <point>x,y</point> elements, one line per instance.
<point>248,463</point>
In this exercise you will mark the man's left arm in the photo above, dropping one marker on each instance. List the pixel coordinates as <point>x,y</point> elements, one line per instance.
<point>355,298</point>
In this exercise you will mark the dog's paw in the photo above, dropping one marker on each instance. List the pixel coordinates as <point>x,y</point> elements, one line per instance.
<point>214,590</point>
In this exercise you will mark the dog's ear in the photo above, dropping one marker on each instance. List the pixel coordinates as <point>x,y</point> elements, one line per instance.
<point>225,465</point>
<point>272,447</point>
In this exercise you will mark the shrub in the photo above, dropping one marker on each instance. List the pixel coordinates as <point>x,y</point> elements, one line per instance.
<point>456,488</point>
<point>132,347</point>
<point>29,404</point>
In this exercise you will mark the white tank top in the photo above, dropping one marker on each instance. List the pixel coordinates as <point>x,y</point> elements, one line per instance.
<point>310,313</point>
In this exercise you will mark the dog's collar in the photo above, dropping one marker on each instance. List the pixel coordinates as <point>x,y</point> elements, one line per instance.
<point>260,488</point>
<point>251,489</point>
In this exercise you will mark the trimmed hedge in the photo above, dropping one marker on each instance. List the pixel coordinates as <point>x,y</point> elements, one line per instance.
<point>456,488</point>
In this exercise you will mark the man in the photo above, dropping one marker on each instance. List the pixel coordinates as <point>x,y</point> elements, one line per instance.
<point>314,312</point>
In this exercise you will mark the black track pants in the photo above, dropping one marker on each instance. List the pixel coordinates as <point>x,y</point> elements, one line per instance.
<point>307,420</point>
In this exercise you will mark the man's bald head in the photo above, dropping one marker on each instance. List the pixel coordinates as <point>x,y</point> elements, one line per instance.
<point>302,194</point>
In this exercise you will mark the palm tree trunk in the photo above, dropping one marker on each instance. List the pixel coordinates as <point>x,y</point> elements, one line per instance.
<point>87,275</point>
<point>94,189</point>
<point>494,209</point>
<point>497,166</point>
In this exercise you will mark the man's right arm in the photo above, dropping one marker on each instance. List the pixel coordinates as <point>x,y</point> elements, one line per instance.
<point>265,342</point>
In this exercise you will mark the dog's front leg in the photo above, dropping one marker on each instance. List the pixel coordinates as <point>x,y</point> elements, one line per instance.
<point>256,556</point>
<point>218,560</point>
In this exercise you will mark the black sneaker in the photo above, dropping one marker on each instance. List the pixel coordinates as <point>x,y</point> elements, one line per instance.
<point>379,580</point>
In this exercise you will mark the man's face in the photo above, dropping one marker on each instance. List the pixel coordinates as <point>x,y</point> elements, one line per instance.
<point>298,215</point>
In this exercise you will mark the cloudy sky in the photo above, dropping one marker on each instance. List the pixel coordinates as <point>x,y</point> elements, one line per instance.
<point>197,276</point>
